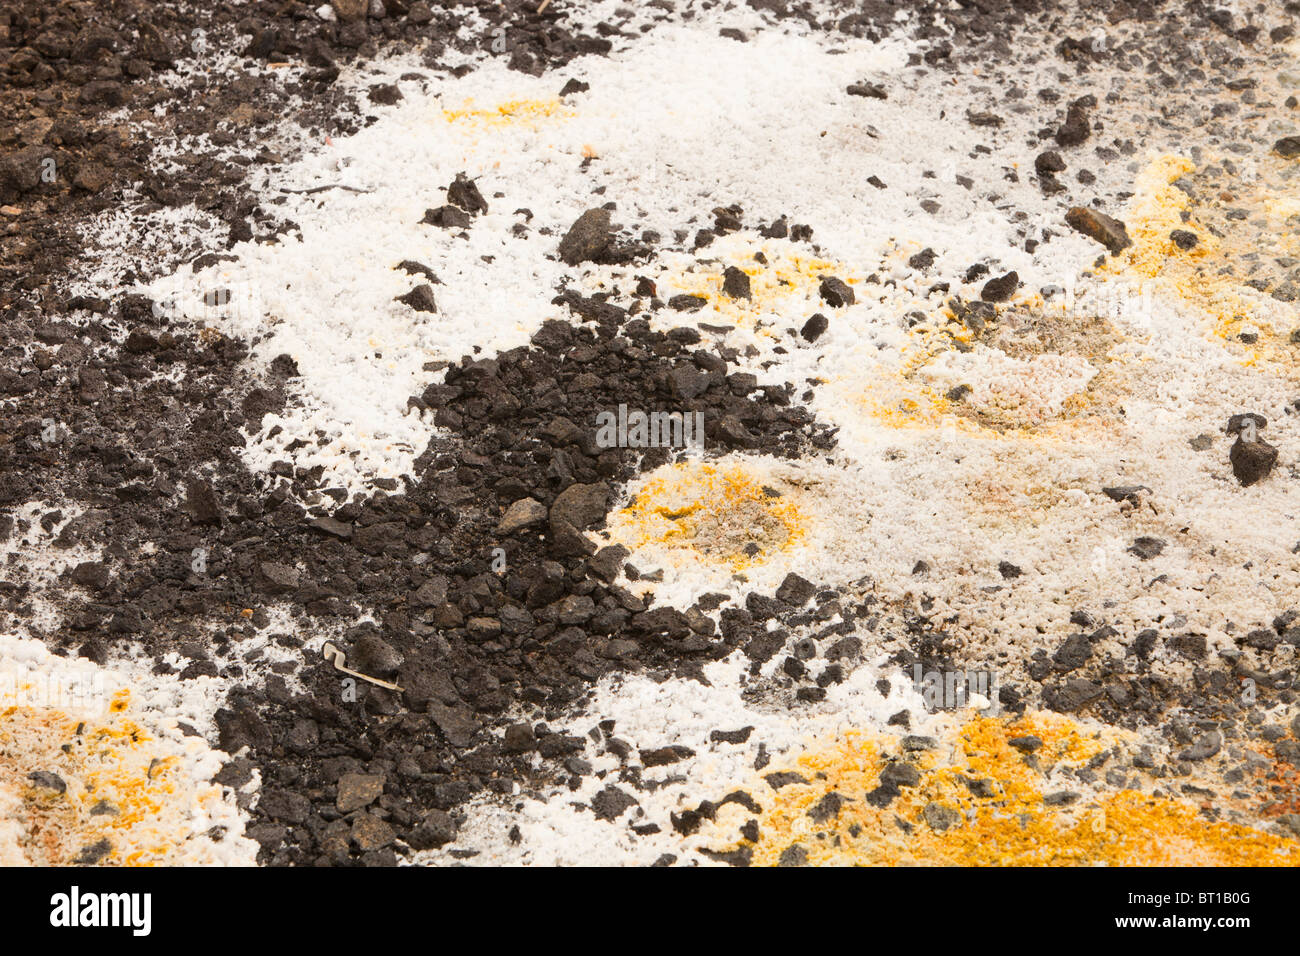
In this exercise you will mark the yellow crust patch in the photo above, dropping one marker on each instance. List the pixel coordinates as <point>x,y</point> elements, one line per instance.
<point>508,113</point>
<point>787,284</point>
<point>121,787</point>
<point>981,802</point>
<point>1210,276</point>
<point>724,513</point>
<point>899,403</point>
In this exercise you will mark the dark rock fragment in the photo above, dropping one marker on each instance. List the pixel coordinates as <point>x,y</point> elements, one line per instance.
<point>46,780</point>
<point>464,193</point>
<point>735,283</point>
<point>1288,147</point>
<point>1146,547</point>
<point>815,327</point>
<point>835,292</point>
<point>1076,129</point>
<point>1001,288</point>
<point>420,298</point>
<point>1111,233</point>
<point>588,237</point>
<point>870,90</point>
<point>448,217</point>
<point>611,802</point>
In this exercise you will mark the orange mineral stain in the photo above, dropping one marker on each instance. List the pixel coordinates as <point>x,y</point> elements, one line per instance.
<point>979,801</point>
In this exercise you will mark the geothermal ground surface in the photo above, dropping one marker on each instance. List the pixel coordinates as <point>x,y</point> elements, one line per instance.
<point>316,546</point>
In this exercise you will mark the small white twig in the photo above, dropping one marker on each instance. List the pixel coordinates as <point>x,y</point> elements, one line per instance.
<point>335,657</point>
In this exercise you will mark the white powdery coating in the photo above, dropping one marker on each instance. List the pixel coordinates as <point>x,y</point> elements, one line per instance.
<point>32,677</point>
<point>1033,389</point>
<point>29,558</point>
<point>122,241</point>
<point>558,827</point>
<point>666,136</point>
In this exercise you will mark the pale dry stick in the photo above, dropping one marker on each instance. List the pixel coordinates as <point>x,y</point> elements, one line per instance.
<point>321,189</point>
<point>336,657</point>
<point>544,5</point>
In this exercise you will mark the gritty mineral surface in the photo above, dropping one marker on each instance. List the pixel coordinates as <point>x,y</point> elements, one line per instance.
<point>949,513</point>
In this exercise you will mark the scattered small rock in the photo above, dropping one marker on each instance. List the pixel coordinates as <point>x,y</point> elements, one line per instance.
<point>48,781</point>
<point>464,193</point>
<point>784,778</point>
<point>448,217</point>
<point>735,283</point>
<point>814,328</point>
<point>1206,746</point>
<point>1049,163</point>
<point>1001,288</point>
<point>524,513</point>
<point>795,590</point>
<point>835,292</point>
<point>662,756</point>
<point>420,298</point>
<point>940,817</point>
<point>687,303</point>
<point>871,90</point>
<point>357,790</point>
<point>1076,129</point>
<point>588,237</point>
<point>1147,547</point>
<point>1288,147</point>
<point>93,853</point>
<point>1251,457</point>
<point>611,803</point>
<point>1111,233</point>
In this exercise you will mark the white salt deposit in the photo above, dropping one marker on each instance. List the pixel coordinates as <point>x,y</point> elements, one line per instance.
<point>665,139</point>
<point>559,828</point>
